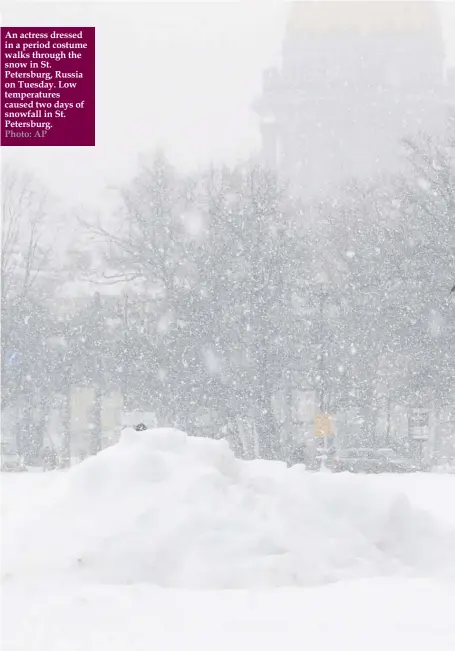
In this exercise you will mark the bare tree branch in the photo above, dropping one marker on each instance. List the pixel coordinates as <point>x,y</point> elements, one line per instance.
<point>23,224</point>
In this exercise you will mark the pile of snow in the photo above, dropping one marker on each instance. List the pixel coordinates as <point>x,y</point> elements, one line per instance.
<point>180,511</point>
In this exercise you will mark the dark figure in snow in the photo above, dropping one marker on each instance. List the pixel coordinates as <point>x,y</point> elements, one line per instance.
<point>141,427</point>
<point>300,455</point>
<point>50,459</point>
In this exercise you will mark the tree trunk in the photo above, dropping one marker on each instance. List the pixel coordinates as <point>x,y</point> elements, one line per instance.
<point>368,429</point>
<point>65,458</point>
<point>96,429</point>
<point>266,427</point>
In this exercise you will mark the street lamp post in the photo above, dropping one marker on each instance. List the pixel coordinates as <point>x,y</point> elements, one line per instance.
<point>96,431</point>
<point>323,420</point>
<point>125,365</point>
<point>63,356</point>
<point>322,348</point>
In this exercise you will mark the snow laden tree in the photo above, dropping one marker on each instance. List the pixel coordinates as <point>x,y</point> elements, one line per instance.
<point>428,208</point>
<point>355,234</point>
<point>25,264</point>
<point>391,259</point>
<point>146,250</point>
<point>240,310</point>
<point>83,363</point>
<point>218,257</point>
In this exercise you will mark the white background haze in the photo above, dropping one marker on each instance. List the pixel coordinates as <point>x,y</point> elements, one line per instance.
<point>177,75</point>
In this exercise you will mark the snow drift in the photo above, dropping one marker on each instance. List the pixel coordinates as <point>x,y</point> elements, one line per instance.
<point>180,511</point>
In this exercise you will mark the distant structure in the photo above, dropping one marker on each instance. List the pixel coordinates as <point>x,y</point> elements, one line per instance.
<point>355,78</point>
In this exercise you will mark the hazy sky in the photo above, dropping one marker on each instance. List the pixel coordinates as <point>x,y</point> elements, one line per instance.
<point>181,75</point>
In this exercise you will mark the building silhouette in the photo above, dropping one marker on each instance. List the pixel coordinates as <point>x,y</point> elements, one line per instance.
<point>355,79</point>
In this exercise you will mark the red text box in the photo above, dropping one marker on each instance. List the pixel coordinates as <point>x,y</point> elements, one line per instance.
<point>48,86</point>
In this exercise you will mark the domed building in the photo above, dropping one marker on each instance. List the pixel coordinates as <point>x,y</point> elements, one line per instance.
<point>355,78</point>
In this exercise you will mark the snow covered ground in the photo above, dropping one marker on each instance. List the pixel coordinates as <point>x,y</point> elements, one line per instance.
<point>165,541</point>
